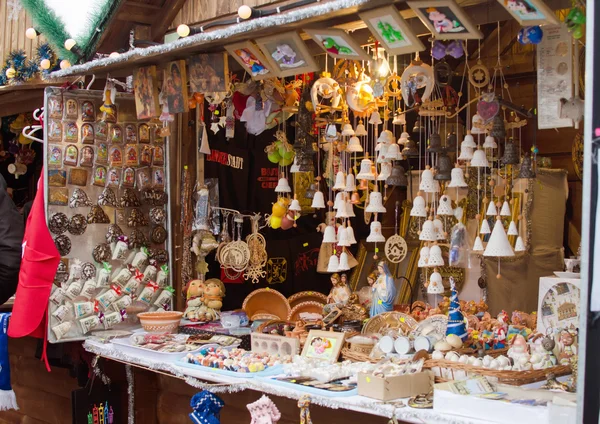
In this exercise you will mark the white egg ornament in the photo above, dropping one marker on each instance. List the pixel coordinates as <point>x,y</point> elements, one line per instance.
<point>443,346</point>
<point>454,341</point>
<point>437,355</point>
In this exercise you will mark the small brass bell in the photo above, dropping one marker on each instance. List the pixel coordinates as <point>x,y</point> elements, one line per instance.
<point>398,177</point>
<point>444,168</point>
<point>527,170</point>
<point>498,129</point>
<point>511,157</point>
<point>410,149</point>
<point>435,143</point>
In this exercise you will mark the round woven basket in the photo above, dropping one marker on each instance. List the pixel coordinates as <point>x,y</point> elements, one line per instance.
<point>266,301</point>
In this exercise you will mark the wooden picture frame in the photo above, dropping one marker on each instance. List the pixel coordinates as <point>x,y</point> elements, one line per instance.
<point>253,61</point>
<point>324,345</point>
<point>339,39</point>
<point>530,12</point>
<point>445,19</point>
<point>392,31</point>
<point>175,84</point>
<point>145,86</point>
<point>287,54</point>
<point>209,72</point>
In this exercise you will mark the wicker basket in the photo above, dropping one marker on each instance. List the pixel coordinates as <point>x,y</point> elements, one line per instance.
<point>354,356</point>
<point>448,369</point>
<point>361,348</point>
<point>475,352</point>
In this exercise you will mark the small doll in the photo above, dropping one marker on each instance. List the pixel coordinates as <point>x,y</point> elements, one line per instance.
<point>108,108</point>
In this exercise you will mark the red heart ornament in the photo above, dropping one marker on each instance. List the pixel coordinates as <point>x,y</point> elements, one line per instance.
<point>488,110</point>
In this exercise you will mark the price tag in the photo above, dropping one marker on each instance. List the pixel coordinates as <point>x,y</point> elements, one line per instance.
<point>402,319</point>
<point>305,245</point>
<point>368,379</point>
<point>380,302</point>
<point>377,250</point>
<point>267,288</point>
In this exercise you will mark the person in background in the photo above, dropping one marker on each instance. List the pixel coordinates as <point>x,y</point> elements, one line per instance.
<point>11,238</point>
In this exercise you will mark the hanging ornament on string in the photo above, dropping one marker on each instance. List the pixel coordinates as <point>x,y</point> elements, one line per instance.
<point>395,246</point>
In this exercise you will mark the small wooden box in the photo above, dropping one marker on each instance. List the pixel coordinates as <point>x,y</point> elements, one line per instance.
<point>401,386</point>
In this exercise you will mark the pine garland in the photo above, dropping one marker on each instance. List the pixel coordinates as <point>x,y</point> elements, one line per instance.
<point>24,69</point>
<point>44,51</point>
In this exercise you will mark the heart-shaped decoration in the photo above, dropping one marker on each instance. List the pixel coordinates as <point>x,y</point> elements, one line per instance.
<point>488,109</point>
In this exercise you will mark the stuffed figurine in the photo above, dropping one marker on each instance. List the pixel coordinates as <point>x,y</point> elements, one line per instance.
<point>193,294</point>
<point>212,299</point>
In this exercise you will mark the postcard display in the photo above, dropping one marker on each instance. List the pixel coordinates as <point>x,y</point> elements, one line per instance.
<point>107,203</point>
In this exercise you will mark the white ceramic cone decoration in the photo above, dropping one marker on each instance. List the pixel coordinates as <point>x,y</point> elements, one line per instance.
<point>375,203</point>
<point>428,231</point>
<point>375,118</point>
<point>478,245</point>
<point>333,264</point>
<point>283,186</point>
<point>440,233</point>
<point>479,159</point>
<point>375,234</point>
<point>466,153</point>
<point>361,130</point>
<point>354,145</point>
<point>204,146</point>
<point>505,211</point>
<point>489,143</point>
<point>350,183</point>
<point>419,208</point>
<point>344,265</point>
<point>341,210</point>
<point>457,178</point>
<point>498,244</point>
<point>343,237</point>
<point>491,210</point>
<point>519,245</point>
<point>350,209</point>
<point>435,256</point>
<point>365,172</point>
<point>445,206</point>
<point>347,130</point>
<point>295,206</point>
<point>399,119</point>
<point>469,141</point>
<point>485,227</point>
<point>350,234</point>
<point>512,229</point>
<point>435,285</point>
<point>340,181</point>
<point>427,183</point>
<point>329,234</point>
<point>318,201</point>
<point>339,198</point>
<point>423,257</point>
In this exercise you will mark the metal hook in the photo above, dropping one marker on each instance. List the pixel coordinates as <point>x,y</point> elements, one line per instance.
<point>28,134</point>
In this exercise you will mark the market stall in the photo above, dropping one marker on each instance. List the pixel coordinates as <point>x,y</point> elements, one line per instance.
<point>361,216</point>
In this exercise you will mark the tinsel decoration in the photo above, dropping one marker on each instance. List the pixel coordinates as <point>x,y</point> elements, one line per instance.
<point>17,68</point>
<point>45,52</point>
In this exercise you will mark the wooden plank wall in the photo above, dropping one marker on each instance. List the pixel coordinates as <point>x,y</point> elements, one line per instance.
<point>194,11</point>
<point>12,33</point>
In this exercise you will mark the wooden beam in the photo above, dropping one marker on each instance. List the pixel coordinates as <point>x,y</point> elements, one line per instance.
<point>169,11</point>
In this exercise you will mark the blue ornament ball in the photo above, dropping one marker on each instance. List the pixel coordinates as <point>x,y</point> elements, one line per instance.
<point>534,34</point>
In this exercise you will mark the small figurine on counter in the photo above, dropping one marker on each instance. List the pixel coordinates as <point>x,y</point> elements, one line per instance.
<point>353,310</point>
<point>500,328</point>
<point>384,291</point>
<point>194,292</point>
<point>338,296</point>
<point>566,347</point>
<point>214,291</point>
<point>519,352</point>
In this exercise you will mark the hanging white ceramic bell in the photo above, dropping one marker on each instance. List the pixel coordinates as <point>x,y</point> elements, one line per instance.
<point>350,183</point>
<point>360,129</point>
<point>440,233</point>
<point>283,186</point>
<point>339,199</point>
<point>344,265</point>
<point>469,141</point>
<point>375,118</point>
<point>295,167</point>
<point>427,231</point>
<point>329,234</point>
<point>341,210</point>
<point>479,159</point>
<point>295,205</point>
<point>435,285</point>
<point>519,245</point>
<point>333,264</point>
<point>512,229</point>
<point>498,244</point>
<point>419,209</point>
<point>485,227</point>
<point>385,171</point>
<point>505,211</point>
<point>365,170</point>
<point>403,138</point>
<point>331,131</point>
<point>343,237</point>
<point>423,257</point>
<point>427,183</point>
<point>340,181</point>
<point>318,201</point>
<point>386,137</point>
<point>445,206</point>
<point>491,209</point>
<point>350,233</point>
<point>375,203</point>
<point>477,124</point>
<point>393,152</point>
<point>457,178</point>
<point>489,143</point>
<point>375,235</point>
<point>399,119</point>
<point>435,256</point>
<point>478,245</point>
<point>354,145</point>
<point>347,130</point>
<point>381,150</point>
<point>466,153</point>
<point>350,209</point>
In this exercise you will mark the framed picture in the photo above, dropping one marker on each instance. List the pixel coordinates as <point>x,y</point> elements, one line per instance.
<point>209,72</point>
<point>338,44</point>
<point>530,12</point>
<point>324,345</point>
<point>251,59</point>
<point>445,19</point>
<point>146,92</point>
<point>287,54</point>
<point>175,84</point>
<point>392,31</point>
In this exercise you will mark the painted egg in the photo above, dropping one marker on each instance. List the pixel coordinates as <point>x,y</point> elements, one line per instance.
<point>443,346</point>
<point>454,341</point>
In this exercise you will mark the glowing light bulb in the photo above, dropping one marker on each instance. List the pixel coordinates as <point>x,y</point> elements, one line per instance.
<point>45,64</point>
<point>183,30</point>
<point>31,33</point>
<point>70,43</point>
<point>11,73</point>
<point>384,68</point>
<point>114,54</point>
<point>64,64</point>
<point>245,12</point>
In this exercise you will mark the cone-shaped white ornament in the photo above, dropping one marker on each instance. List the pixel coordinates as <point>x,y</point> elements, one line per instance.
<point>418,208</point>
<point>485,227</point>
<point>295,167</point>
<point>438,226</point>
<point>381,149</point>
<point>393,152</point>
<point>295,205</point>
<point>399,119</point>
<point>339,199</point>
<point>283,186</point>
<point>385,171</point>
<point>498,244</point>
<point>479,159</point>
<point>333,264</point>
<point>403,138</point>
<point>489,143</point>
<point>457,178</point>
<point>375,234</point>
<point>512,229</point>
<point>331,131</point>
<point>347,130</point>
<point>445,206</point>
<point>354,145</point>
<point>350,183</point>
<point>428,231</point>
<point>375,118</point>
<point>204,147</point>
<point>318,201</point>
<point>340,181</point>
<point>491,210</point>
<point>435,286</point>
<point>466,153</point>
<point>435,256</point>
<point>344,265</point>
<point>427,183</point>
<point>505,211</point>
<point>361,130</point>
<point>423,257</point>
<point>365,170</point>
<point>519,245</point>
<point>478,245</point>
<point>329,234</point>
<point>343,237</point>
<point>350,209</point>
<point>375,203</point>
<point>469,141</point>
<point>341,210</point>
<point>350,234</point>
